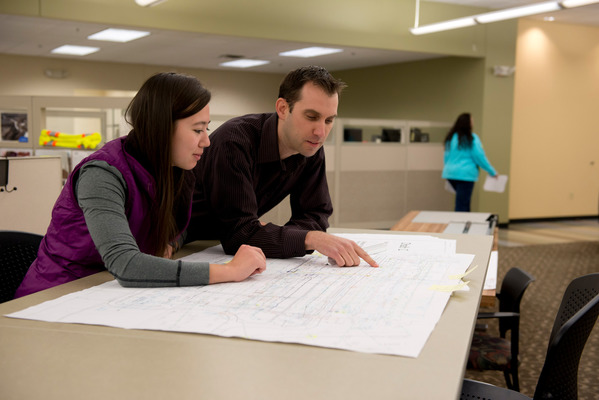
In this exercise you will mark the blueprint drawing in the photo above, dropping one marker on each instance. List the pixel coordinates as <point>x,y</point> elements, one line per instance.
<point>385,310</point>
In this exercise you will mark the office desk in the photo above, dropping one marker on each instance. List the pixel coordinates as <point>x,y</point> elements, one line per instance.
<point>71,361</point>
<point>406,224</point>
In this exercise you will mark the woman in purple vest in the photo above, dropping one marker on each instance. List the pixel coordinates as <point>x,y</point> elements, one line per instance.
<point>125,206</point>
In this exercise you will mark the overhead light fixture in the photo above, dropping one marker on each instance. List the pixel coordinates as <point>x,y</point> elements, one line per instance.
<point>148,3</point>
<point>118,35</point>
<point>72,50</point>
<point>577,3</point>
<point>244,63</point>
<point>443,26</point>
<point>310,52</point>
<point>494,16</point>
<point>517,12</point>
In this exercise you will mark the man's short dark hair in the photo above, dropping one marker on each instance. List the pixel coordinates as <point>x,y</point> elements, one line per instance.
<point>293,83</point>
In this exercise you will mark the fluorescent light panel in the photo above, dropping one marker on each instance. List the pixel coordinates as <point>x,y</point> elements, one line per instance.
<point>500,15</point>
<point>118,35</point>
<point>148,3</point>
<point>75,50</point>
<point>244,63</point>
<point>443,26</point>
<point>577,3</point>
<point>310,52</point>
<point>518,12</point>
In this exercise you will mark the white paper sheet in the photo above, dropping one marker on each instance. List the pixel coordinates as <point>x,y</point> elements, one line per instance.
<point>449,188</point>
<point>495,184</point>
<point>386,310</point>
<point>491,279</point>
<point>445,217</point>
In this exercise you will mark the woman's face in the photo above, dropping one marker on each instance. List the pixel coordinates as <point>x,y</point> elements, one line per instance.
<point>190,138</point>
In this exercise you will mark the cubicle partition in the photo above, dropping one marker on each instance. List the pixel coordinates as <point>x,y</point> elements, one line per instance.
<point>31,190</point>
<point>395,168</point>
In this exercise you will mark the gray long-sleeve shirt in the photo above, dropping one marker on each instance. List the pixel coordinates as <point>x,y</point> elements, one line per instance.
<point>101,193</point>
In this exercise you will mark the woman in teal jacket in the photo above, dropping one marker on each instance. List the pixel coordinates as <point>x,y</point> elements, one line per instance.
<point>464,155</point>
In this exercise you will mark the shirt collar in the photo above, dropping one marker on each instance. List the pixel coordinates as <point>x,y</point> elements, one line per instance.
<point>269,141</point>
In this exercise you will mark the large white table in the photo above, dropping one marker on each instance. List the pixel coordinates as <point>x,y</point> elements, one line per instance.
<point>71,361</point>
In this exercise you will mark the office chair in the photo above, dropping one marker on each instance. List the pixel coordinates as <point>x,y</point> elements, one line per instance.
<point>573,324</point>
<point>17,252</point>
<point>498,353</point>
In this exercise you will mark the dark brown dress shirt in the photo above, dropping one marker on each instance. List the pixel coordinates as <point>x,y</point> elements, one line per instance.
<point>241,176</point>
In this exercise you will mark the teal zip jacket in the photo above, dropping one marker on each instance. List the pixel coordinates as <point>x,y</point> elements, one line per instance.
<point>462,164</point>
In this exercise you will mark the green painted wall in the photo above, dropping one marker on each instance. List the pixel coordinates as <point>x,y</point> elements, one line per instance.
<point>436,90</point>
<point>495,126</point>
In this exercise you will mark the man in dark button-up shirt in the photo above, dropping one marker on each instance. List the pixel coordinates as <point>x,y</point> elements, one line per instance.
<point>257,160</point>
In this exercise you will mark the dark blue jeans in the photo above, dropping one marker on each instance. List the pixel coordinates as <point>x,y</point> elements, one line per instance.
<point>463,194</point>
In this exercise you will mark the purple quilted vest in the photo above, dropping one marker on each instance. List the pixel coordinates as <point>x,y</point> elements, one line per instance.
<point>67,251</point>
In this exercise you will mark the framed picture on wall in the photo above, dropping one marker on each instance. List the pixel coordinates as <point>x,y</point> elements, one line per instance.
<point>14,127</point>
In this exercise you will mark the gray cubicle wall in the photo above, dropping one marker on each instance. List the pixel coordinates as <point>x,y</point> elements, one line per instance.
<point>378,182</point>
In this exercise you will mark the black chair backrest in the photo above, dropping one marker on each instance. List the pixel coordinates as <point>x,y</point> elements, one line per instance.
<point>17,252</point>
<point>578,293</point>
<point>559,376</point>
<point>513,286</point>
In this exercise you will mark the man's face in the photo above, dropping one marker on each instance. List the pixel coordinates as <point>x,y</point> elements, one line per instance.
<point>305,129</point>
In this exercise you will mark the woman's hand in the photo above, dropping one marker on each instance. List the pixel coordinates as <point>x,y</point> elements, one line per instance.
<point>169,251</point>
<point>247,261</point>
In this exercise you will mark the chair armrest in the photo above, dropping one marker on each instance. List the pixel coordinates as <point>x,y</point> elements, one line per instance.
<point>503,314</point>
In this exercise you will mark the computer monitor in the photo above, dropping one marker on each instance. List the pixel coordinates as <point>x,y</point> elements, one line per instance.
<point>391,135</point>
<point>352,135</point>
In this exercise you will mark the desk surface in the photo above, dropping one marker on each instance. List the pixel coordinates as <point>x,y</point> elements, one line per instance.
<point>405,224</point>
<point>66,361</point>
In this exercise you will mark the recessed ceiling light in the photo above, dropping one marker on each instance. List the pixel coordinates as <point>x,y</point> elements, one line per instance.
<point>310,52</point>
<point>118,35</point>
<point>148,3</point>
<point>75,50</point>
<point>244,63</point>
<point>549,19</point>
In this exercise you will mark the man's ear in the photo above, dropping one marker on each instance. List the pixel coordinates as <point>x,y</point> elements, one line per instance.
<point>282,108</point>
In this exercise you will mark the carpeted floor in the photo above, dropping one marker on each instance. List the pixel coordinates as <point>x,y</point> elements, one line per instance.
<point>553,266</point>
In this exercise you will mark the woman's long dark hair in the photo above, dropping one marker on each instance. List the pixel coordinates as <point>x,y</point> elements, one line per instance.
<point>162,100</point>
<point>463,127</point>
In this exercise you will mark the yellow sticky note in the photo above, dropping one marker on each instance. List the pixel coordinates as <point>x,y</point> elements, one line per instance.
<point>448,288</point>
<point>460,276</point>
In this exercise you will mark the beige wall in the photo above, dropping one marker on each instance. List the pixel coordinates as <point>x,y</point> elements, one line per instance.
<point>234,93</point>
<point>555,143</point>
